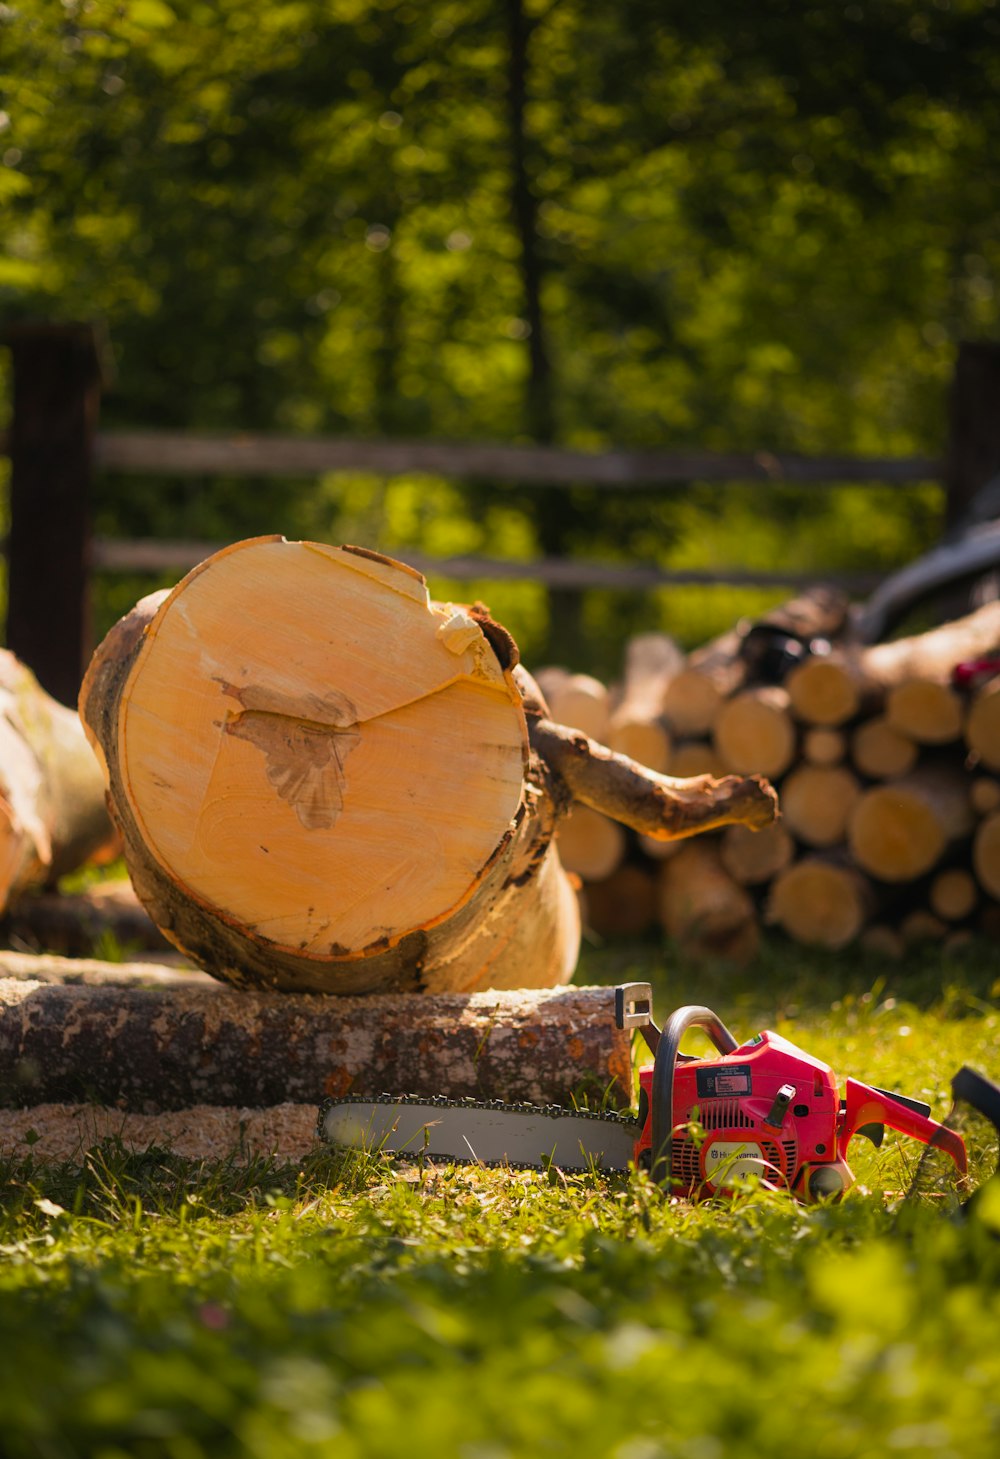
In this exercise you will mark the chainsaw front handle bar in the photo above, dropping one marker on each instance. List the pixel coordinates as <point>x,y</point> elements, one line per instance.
<point>693,1015</point>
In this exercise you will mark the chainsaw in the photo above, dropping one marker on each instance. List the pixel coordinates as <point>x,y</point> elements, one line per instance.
<point>760,1108</point>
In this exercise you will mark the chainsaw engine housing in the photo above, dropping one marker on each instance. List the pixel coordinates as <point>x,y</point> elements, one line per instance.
<point>766,1109</point>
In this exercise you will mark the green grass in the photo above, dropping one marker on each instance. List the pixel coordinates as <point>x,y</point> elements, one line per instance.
<point>349,1307</point>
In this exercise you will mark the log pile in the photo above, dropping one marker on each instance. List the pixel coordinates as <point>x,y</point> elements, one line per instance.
<point>887,767</point>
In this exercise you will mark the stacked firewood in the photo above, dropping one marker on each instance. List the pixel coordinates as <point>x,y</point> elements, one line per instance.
<point>886,762</point>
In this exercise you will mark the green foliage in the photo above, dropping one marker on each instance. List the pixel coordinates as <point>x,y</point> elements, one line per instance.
<point>350,1307</point>
<point>761,231</point>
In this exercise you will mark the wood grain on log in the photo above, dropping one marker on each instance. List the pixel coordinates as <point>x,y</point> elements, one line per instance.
<point>881,752</point>
<point>820,902</point>
<point>590,844</point>
<point>374,742</point>
<point>753,858</point>
<point>754,732</point>
<point>817,801</point>
<point>822,746</point>
<point>953,894</point>
<point>925,712</point>
<point>183,1043</point>
<point>982,729</point>
<point>986,854</point>
<point>826,690</point>
<point>899,831</point>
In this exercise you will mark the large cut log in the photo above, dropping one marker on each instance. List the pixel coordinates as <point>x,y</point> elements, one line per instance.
<point>179,1042</point>
<point>324,781</point>
<point>637,727</point>
<point>52,810</point>
<point>900,830</point>
<point>579,701</point>
<point>821,902</point>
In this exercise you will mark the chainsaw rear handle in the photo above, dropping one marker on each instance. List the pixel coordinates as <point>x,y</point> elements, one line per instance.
<point>864,1105</point>
<point>693,1015</point>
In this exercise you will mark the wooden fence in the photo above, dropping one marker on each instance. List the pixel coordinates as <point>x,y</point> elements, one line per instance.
<point>56,448</point>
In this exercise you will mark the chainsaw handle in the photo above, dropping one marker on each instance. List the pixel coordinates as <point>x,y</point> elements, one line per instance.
<point>866,1106</point>
<point>693,1015</point>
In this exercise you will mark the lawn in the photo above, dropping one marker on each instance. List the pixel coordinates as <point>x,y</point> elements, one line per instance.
<point>349,1307</point>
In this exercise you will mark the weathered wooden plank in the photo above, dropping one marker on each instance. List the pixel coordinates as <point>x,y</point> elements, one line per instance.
<point>259,455</point>
<point>118,1041</point>
<point>160,556</point>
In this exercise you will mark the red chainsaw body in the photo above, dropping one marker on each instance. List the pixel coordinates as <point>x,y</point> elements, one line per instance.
<point>769,1109</point>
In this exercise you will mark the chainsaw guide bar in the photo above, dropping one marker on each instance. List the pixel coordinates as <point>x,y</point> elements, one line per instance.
<point>481,1132</point>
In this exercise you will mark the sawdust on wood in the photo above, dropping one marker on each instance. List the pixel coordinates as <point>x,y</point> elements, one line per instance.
<point>65,1132</point>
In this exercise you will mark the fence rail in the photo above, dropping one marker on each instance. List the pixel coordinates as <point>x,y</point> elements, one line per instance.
<point>110,554</point>
<point>56,448</point>
<point>169,452</point>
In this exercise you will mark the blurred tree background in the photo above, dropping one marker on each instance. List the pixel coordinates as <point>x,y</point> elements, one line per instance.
<point>636,224</point>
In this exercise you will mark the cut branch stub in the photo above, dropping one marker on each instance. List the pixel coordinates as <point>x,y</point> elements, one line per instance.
<point>322,778</point>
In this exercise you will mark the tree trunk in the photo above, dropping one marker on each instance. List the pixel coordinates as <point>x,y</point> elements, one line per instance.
<point>881,752</point>
<point>703,909</point>
<point>325,782</point>
<point>52,810</point>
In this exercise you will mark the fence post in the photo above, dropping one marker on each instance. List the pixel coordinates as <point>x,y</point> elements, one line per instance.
<point>974,408</point>
<point>56,398</point>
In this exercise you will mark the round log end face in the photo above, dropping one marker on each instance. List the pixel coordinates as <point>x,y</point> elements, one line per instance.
<point>314,751</point>
<point>982,732</point>
<point>754,734</point>
<point>894,834</point>
<point>929,713</point>
<point>818,903</point>
<point>816,802</point>
<point>823,692</point>
<point>986,854</point>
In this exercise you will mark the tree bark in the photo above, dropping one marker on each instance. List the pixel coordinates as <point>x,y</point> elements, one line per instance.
<point>182,1042</point>
<point>326,783</point>
<point>52,810</point>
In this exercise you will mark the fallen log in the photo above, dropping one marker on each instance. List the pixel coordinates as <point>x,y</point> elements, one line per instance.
<point>325,782</point>
<point>880,752</point>
<point>118,1041</point>
<point>753,858</point>
<point>52,810</point>
<point>982,729</point>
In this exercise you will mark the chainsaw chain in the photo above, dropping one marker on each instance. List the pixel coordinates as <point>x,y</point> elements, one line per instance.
<point>442,1101</point>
